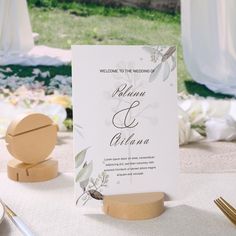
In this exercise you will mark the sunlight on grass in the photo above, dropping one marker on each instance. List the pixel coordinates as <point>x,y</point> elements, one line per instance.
<point>59,28</point>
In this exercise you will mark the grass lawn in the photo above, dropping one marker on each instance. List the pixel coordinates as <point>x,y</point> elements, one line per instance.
<point>59,28</point>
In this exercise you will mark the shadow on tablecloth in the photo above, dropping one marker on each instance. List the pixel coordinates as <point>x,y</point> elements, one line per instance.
<point>177,221</point>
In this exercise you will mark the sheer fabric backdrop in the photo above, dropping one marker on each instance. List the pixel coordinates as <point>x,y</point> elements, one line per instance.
<point>209,42</point>
<point>15,28</point>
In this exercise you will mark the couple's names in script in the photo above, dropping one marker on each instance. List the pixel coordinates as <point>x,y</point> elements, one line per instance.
<point>123,119</point>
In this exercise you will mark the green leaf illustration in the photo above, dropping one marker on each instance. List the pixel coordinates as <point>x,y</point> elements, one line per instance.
<point>84,184</point>
<point>166,71</point>
<point>79,158</point>
<point>168,53</point>
<point>155,73</point>
<point>84,173</point>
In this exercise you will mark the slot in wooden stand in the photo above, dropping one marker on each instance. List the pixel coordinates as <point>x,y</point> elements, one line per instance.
<point>139,206</point>
<point>30,139</point>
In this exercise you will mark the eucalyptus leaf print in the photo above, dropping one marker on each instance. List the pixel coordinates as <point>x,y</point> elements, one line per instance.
<point>78,129</point>
<point>166,62</point>
<point>80,157</point>
<point>166,71</point>
<point>155,73</point>
<point>168,53</point>
<point>93,188</point>
<point>84,173</point>
<point>84,184</point>
<point>96,195</point>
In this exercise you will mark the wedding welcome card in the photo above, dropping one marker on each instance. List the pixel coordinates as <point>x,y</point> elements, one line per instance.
<point>125,121</point>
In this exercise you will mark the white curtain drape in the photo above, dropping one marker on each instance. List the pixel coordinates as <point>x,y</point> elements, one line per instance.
<point>15,28</point>
<point>209,42</point>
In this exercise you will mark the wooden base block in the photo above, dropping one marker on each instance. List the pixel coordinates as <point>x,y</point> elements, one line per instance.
<point>42,171</point>
<point>134,206</point>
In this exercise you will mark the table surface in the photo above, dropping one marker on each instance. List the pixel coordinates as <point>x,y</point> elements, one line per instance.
<point>48,207</point>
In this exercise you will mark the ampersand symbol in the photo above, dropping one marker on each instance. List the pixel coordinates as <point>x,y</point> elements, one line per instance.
<point>126,111</point>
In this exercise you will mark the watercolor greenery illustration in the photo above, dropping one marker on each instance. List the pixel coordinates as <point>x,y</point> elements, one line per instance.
<point>91,188</point>
<point>165,59</point>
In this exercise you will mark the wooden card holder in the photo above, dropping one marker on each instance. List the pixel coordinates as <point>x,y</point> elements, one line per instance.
<point>139,206</point>
<point>30,140</point>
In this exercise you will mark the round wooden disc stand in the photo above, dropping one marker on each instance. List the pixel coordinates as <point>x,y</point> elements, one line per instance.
<point>30,139</point>
<point>134,206</point>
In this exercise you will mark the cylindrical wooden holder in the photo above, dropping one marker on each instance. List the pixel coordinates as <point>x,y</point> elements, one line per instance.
<point>30,139</point>
<point>19,171</point>
<point>134,206</point>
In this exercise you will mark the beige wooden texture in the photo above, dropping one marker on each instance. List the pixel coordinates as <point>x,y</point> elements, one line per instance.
<point>134,206</point>
<point>22,172</point>
<point>31,138</point>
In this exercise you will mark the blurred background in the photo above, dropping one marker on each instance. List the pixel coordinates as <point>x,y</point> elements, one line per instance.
<point>36,37</point>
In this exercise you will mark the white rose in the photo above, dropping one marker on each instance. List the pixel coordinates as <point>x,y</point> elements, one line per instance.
<point>186,133</point>
<point>216,108</point>
<point>221,129</point>
<point>194,109</point>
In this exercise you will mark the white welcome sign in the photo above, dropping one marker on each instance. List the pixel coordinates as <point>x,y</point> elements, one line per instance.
<point>125,121</point>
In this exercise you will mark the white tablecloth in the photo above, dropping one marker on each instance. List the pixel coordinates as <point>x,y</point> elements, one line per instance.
<point>48,208</point>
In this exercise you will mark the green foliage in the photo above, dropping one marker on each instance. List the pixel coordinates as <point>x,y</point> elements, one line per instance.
<point>82,9</point>
<point>68,124</point>
<point>43,3</point>
<point>193,88</point>
<point>27,71</point>
<point>92,24</point>
<point>50,77</point>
